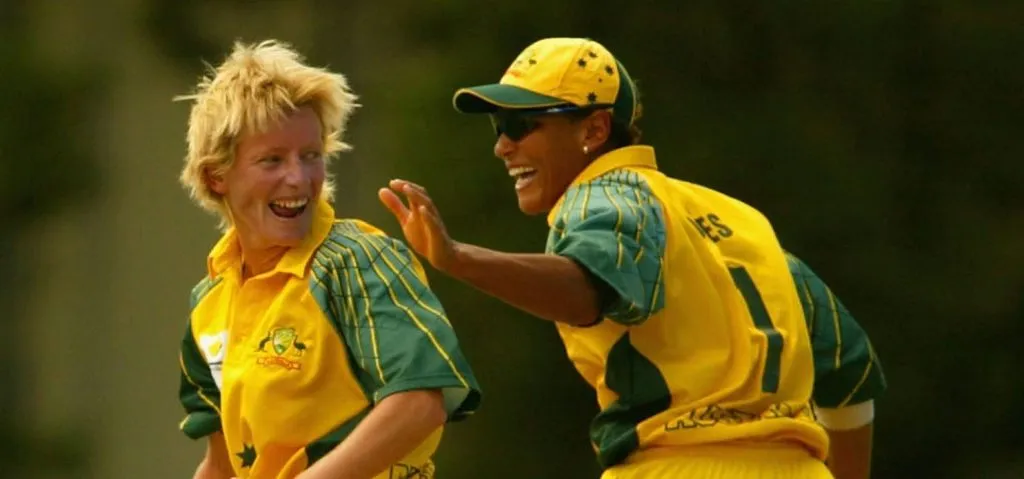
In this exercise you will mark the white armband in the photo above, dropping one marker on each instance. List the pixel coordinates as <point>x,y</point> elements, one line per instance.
<point>846,418</point>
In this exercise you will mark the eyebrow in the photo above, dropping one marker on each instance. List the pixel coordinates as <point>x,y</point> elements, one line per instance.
<point>262,153</point>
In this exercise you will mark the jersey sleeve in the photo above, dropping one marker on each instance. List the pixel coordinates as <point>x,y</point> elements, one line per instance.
<point>616,232</point>
<point>396,328</point>
<point>847,370</point>
<point>197,390</point>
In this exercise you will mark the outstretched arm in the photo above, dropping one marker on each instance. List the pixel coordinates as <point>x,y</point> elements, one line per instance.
<point>550,287</point>
<point>604,260</point>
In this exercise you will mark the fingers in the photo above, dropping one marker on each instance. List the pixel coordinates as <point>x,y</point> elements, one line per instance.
<point>394,204</point>
<point>399,185</point>
<point>418,198</point>
<point>407,187</point>
<point>416,194</point>
<point>431,216</point>
<point>437,238</point>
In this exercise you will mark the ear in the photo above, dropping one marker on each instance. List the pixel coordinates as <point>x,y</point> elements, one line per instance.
<point>215,181</point>
<point>598,128</point>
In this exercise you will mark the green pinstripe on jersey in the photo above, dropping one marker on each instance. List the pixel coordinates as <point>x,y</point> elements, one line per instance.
<point>197,390</point>
<point>666,365</point>
<point>396,331</point>
<point>394,325</point>
<point>353,321</point>
<point>846,369</point>
<point>614,228</point>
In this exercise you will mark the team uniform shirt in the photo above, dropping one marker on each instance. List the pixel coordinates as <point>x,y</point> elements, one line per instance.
<point>287,363</point>
<point>846,368</point>
<point>704,338</point>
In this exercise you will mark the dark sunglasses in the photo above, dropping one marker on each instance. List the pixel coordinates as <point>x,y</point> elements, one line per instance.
<point>516,124</point>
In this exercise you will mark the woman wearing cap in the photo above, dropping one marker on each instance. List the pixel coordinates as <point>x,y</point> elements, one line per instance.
<point>314,347</point>
<point>675,302</point>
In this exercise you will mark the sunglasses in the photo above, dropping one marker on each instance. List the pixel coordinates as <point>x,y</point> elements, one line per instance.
<point>516,124</point>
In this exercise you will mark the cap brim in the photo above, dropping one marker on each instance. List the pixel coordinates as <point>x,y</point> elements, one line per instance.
<point>490,98</point>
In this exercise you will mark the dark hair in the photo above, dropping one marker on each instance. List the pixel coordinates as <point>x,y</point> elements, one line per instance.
<point>620,134</point>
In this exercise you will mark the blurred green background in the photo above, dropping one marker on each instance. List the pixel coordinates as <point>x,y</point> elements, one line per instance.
<point>883,138</point>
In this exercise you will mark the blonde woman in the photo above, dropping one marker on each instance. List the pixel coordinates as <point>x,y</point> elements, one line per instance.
<point>315,347</point>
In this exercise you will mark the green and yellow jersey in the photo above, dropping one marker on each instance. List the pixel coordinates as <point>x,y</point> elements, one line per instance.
<point>846,368</point>
<point>704,337</point>
<point>287,363</point>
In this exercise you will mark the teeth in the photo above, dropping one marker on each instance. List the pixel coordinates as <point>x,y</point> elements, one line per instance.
<point>520,171</point>
<point>299,203</point>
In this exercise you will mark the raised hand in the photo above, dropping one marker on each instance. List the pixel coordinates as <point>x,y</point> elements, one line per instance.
<point>421,223</point>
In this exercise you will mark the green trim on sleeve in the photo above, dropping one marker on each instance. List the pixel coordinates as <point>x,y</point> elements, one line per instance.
<point>846,368</point>
<point>614,228</point>
<point>394,327</point>
<point>197,391</point>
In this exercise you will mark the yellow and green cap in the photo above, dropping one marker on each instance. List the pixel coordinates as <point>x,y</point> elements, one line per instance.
<point>555,72</point>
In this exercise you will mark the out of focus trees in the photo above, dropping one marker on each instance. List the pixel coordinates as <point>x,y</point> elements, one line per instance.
<point>46,163</point>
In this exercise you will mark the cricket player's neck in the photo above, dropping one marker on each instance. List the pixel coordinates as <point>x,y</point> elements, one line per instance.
<point>256,261</point>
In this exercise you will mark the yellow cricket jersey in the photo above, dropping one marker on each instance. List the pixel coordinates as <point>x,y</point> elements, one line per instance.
<point>706,334</point>
<point>287,363</point>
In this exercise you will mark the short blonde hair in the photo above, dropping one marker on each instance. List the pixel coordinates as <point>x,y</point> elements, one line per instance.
<point>254,88</point>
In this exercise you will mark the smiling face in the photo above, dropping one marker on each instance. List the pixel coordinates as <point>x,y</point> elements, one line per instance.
<point>544,153</point>
<point>272,186</point>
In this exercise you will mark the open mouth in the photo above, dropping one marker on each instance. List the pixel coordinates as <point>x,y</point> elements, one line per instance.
<point>523,175</point>
<point>289,208</point>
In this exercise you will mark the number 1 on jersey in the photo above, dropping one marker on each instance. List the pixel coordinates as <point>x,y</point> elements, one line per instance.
<point>763,322</point>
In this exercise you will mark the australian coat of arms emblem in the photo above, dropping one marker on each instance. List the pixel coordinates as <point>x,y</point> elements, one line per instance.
<point>283,348</point>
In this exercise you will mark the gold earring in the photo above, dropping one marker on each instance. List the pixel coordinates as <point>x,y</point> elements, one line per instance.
<point>586,150</point>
